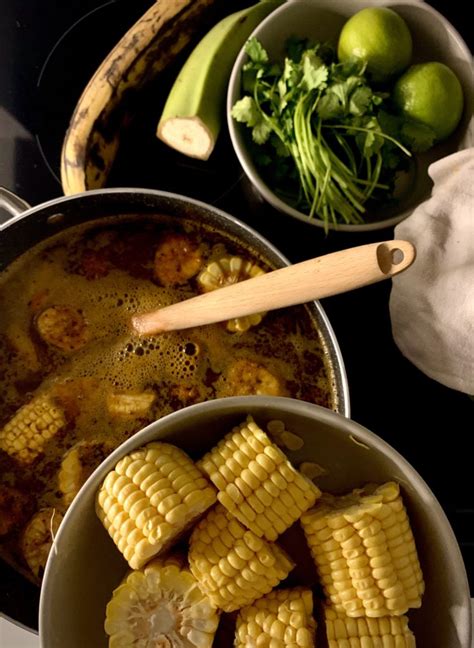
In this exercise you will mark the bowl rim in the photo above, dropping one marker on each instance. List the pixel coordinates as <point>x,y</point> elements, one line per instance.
<point>241,150</point>
<point>240,405</point>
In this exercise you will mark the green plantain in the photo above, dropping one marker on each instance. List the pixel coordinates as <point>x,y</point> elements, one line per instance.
<point>194,110</point>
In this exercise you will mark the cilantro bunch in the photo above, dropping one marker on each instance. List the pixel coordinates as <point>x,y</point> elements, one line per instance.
<point>325,140</point>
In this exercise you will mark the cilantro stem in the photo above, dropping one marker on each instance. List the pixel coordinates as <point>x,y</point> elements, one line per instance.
<point>377,133</point>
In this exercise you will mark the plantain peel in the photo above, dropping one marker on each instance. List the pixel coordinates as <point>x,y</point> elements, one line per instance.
<point>93,137</point>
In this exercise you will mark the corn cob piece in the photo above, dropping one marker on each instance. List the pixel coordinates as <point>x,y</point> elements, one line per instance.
<point>38,537</point>
<point>160,605</point>
<point>234,567</point>
<point>281,619</point>
<point>364,551</point>
<point>387,632</point>
<point>150,497</point>
<point>256,482</point>
<point>226,271</point>
<point>122,405</point>
<point>245,378</point>
<point>25,435</point>
<point>78,464</point>
<point>177,259</point>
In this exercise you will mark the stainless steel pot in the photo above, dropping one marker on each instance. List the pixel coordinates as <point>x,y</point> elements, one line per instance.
<point>30,225</point>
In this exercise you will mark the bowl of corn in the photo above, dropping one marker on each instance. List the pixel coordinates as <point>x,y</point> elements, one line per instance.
<point>255,521</point>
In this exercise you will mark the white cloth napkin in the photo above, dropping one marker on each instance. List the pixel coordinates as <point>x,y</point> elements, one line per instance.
<point>432,303</point>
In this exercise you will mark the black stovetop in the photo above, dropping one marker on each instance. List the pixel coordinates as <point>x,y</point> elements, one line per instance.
<point>48,52</point>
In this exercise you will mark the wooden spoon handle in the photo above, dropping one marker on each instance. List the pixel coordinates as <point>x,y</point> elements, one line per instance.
<point>296,284</point>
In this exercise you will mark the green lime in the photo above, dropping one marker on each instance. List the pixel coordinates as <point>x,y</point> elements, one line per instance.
<point>431,94</point>
<point>380,37</point>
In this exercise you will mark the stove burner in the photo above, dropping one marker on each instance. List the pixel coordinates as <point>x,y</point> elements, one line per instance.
<point>58,56</point>
<point>68,67</point>
<point>142,160</point>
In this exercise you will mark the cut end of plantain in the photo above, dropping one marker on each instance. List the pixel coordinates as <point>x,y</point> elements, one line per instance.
<point>188,135</point>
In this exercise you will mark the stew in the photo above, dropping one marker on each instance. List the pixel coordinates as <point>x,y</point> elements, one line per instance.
<point>75,382</point>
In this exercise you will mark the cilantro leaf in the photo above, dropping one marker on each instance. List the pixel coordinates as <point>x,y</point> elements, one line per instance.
<point>329,106</point>
<point>315,73</point>
<point>360,100</point>
<point>255,51</point>
<point>369,141</point>
<point>246,111</point>
<point>261,132</point>
<point>291,73</point>
<point>288,80</point>
<point>343,91</point>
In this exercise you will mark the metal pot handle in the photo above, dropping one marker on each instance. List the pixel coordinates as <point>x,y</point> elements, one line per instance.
<point>12,203</point>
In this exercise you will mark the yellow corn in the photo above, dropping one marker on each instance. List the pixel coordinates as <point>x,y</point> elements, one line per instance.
<point>123,405</point>
<point>149,498</point>
<point>387,632</point>
<point>245,377</point>
<point>283,437</point>
<point>281,619</point>
<point>225,272</point>
<point>160,605</point>
<point>364,551</point>
<point>311,469</point>
<point>78,463</point>
<point>257,483</point>
<point>38,537</point>
<point>233,566</point>
<point>25,435</point>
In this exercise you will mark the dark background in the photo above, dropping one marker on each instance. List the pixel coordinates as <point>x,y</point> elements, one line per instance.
<point>50,50</point>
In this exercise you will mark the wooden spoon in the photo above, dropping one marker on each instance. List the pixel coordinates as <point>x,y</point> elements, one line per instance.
<point>296,284</point>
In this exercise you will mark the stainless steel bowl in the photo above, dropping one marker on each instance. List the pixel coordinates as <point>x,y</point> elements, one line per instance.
<point>84,566</point>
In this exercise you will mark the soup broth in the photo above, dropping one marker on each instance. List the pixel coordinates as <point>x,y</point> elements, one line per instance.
<point>75,381</point>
